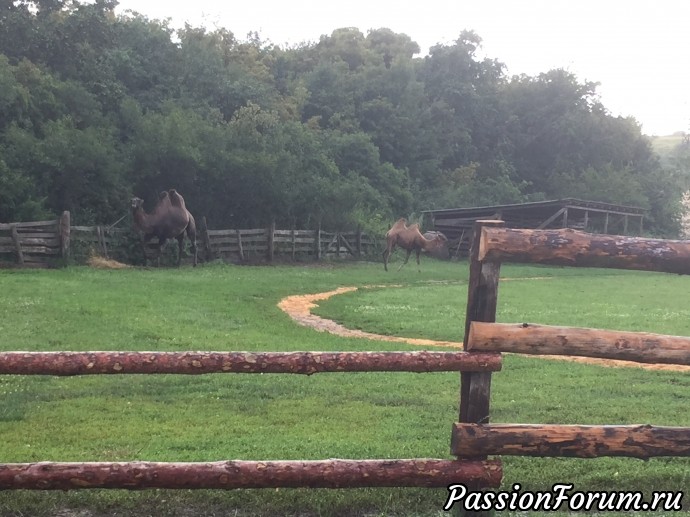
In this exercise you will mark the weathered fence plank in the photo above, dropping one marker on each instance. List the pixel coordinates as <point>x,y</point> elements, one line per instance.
<point>64,233</point>
<point>333,473</point>
<point>17,245</point>
<point>580,441</point>
<point>307,363</point>
<point>575,248</point>
<point>482,296</point>
<point>28,224</point>
<point>527,338</point>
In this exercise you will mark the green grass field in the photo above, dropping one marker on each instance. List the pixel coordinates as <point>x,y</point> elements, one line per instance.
<point>368,415</point>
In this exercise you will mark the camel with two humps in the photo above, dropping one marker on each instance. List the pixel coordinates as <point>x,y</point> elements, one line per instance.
<point>170,219</point>
<point>410,239</point>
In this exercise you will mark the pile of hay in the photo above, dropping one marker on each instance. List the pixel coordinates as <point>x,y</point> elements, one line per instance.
<point>104,263</point>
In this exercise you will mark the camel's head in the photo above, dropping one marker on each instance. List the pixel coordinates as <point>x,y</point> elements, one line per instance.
<point>137,203</point>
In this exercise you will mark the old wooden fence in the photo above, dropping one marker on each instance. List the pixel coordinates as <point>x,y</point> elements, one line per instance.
<point>40,243</point>
<point>474,436</point>
<point>36,243</point>
<point>327,473</point>
<point>269,243</point>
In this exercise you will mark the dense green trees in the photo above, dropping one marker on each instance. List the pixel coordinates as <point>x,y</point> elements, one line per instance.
<point>352,129</point>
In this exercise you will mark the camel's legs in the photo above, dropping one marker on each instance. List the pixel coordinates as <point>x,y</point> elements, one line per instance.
<point>180,247</point>
<point>407,257</point>
<point>418,251</point>
<point>157,255</point>
<point>143,249</point>
<point>159,251</point>
<point>191,234</point>
<point>386,255</point>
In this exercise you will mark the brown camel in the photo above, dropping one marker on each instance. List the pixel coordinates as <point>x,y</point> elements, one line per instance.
<point>409,238</point>
<point>169,219</point>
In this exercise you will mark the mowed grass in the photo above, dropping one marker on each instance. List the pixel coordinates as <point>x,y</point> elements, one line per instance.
<point>367,415</point>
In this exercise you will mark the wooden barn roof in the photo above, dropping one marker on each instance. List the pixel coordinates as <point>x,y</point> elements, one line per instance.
<point>534,208</point>
<point>457,223</point>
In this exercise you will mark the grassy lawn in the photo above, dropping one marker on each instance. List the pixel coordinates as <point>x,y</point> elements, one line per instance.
<point>370,415</point>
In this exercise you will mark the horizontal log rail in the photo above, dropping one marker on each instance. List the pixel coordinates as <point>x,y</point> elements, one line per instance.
<point>575,248</point>
<point>86,363</point>
<point>579,441</point>
<point>251,474</point>
<point>526,338</point>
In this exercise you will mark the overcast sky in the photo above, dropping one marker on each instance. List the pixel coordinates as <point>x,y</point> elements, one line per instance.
<point>638,50</point>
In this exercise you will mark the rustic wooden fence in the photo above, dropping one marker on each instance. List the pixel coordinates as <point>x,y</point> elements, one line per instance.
<point>270,243</point>
<point>40,243</point>
<point>36,243</point>
<point>474,436</point>
<point>330,473</point>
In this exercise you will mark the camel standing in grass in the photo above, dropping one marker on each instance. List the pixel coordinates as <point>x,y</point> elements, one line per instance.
<point>410,239</point>
<point>169,219</point>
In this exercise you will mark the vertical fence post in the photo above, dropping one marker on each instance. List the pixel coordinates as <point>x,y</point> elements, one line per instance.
<point>318,242</point>
<point>239,244</point>
<point>63,229</point>
<point>294,243</point>
<point>358,241</point>
<point>482,295</point>
<point>17,245</point>
<point>101,241</point>
<point>206,239</point>
<point>271,234</point>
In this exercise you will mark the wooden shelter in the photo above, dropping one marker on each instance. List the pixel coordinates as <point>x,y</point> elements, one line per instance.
<point>591,216</point>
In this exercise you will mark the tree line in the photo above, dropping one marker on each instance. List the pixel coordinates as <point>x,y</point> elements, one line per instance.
<point>353,129</point>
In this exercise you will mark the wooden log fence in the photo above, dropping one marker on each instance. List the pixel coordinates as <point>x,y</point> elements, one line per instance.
<point>575,248</point>
<point>473,436</point>
<point>528,338</point>
<point>574,441</point>
<point>307,363</point>
<point>333,473</point>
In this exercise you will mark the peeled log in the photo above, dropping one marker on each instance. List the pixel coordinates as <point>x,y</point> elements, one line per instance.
<point>251,474</point>
<point>526,338</point>
<point>580,441</point>
<point>574,248</point>
<point>85,363</point>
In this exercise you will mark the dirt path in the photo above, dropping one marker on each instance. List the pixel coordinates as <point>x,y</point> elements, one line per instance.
<point>299,307</point>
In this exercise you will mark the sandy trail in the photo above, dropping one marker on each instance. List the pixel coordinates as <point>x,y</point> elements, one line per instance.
<point>299,307</point>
